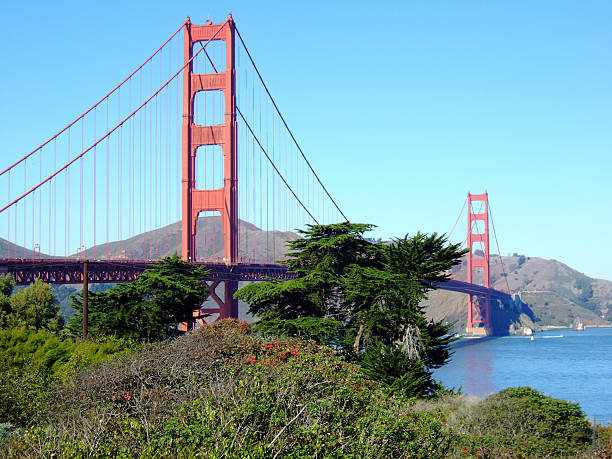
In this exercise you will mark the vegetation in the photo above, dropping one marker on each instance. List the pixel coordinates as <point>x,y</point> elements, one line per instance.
<point>33,307</point>
<point>222,392</point>
<point>147,309</point>
<point>523,422</point>
<point>364,299</point>
<point>340,365</point>
<point>32,361</point>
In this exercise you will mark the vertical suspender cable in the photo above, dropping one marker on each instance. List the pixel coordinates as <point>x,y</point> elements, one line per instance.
<point>95,177</point>
<point>273,194</point>
<point>8,216</point>
<point>107,186</point>
<point>168,165</point>
<point>81,187</point>
<point>261,182</point>
<point>119,187</point>
<point>131,231</point>
<point>499,250</point>
<point>155,165</point>
<point>54,199</point>
<point>25,206</point>
<point>267,188</point>
<point>40,196</point>
<point>67,201</point>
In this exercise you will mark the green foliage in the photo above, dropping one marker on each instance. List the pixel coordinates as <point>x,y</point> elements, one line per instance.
<point>604,438</point>
<point>523,422</point>
<point>356,295</point>
<point>222,392</point>
<point>7,431</point>
<point>400,375</point>
<point>7,283</point>
<point>32,361</point>
<point>218,392</point>
<point>147,309</point>
<point>21,347</point>
<point>22,391</point>
<point>320,330</point>
<point>33,307</point>
<point>585,286</point>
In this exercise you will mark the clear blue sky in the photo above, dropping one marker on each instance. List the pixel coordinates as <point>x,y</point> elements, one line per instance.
<point>402,107</point>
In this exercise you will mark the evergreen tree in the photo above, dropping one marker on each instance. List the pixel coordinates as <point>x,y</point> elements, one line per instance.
<point>148,308</point>
<point>364,298</point>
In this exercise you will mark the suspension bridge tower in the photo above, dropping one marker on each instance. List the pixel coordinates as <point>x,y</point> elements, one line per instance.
<point>223,200</point>
<point>479,317</point>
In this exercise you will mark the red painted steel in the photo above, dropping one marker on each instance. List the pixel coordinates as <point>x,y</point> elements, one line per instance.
<point>70,271</point>
<point>223,200</point>
<point>479,318</point>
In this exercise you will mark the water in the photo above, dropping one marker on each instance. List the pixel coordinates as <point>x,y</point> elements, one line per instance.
<point>575,367</point>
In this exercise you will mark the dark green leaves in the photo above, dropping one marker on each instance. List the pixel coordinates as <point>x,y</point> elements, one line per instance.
<point>148,308</point>
<point>363,298</point>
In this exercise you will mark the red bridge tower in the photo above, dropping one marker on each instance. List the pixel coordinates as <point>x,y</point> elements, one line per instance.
<point>479,317</point>
<point>223,200</point>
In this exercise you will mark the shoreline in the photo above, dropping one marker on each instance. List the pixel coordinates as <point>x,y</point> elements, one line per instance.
<point>562,327</point>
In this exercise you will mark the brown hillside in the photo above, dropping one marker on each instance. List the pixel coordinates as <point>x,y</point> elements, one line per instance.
<point>255,244</point>
<point>555,293</point>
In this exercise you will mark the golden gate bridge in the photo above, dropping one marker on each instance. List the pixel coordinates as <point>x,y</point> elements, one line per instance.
<point>194,124</point>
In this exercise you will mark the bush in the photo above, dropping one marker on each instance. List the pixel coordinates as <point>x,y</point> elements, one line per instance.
<point>31,362</point>
<point>522,422</point>
<point>602,441</point>
<point>221,392</point>
<point>62,357</point>
<point>7,431</point>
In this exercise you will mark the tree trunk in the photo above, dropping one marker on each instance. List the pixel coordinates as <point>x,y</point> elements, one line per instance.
<point>356,344</point>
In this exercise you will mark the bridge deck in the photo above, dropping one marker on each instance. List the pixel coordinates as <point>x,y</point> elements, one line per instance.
<point>70,271</point>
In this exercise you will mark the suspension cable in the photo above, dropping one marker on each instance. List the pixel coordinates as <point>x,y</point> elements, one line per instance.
<point>286,126</point>
<point>113,129</point>
<point>96,104</point>
<point>458,217</point>
<point>274,165</point>
<point>261,146</point>
<point>498,249</point>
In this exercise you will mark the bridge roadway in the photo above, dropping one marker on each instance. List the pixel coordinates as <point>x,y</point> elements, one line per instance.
<point>70,271</point>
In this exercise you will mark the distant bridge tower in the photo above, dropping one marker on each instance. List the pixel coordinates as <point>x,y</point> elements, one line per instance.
<point>223,200</point>
<point>479,317</point>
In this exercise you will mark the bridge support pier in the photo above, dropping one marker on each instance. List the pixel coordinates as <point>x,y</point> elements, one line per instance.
<point>228,306</point>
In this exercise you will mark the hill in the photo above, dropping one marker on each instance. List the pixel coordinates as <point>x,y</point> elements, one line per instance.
<point>552,294</point>
<point>253,244</point>
<point>10,250</point>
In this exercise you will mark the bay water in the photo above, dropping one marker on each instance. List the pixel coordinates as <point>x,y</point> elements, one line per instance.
<point>562,363</point>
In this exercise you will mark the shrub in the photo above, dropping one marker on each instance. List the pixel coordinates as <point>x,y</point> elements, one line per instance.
<point>221,392</point>
<point>62,357</point>
<point>603,439</point>
<point>522,422</point>
<point>31,362</point>
<point>7,431</point>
